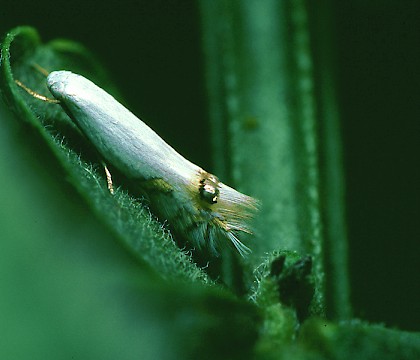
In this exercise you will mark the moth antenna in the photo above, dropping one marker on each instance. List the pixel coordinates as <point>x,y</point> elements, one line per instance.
<point>35,94</point>
<point>41,69</point>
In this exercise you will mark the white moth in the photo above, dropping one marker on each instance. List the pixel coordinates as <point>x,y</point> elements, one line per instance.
<point>194,202</point>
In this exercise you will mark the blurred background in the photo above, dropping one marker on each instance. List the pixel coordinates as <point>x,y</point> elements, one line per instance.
<point>153,52</point>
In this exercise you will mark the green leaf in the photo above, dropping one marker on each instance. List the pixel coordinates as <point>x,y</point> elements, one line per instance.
<point>356,339</point>
<point>126,216</point>
<point>68,288</point>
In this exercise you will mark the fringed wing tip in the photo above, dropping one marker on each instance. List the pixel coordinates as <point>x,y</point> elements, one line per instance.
<point>242,249</point>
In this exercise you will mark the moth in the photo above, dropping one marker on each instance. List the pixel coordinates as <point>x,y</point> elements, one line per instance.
<point>194,202</point>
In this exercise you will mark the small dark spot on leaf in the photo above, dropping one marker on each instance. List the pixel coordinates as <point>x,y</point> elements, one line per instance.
<point>277,265</point>
<point>250,123</point>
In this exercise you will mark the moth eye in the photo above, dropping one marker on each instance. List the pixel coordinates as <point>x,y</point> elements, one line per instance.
<point>209,191</point>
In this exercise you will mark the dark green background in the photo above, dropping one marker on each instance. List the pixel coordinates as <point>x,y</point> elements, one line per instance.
<point>152,49</point>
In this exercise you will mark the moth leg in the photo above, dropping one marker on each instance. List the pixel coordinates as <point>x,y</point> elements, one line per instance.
<point>108,179</point>
<point>156,185</point>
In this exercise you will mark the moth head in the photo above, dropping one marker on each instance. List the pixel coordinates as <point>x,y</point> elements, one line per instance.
<point>209,188</point>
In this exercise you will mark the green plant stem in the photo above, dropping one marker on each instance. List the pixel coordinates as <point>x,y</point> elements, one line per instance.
<point>263,109</point>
